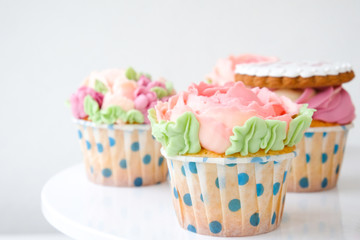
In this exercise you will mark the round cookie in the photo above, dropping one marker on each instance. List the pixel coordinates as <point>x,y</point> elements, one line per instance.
<point>294,74</point>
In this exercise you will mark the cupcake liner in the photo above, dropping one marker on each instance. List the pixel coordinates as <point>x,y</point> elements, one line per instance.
<point>318,164</point>
<point>121,155</point>
<point>229,196</point>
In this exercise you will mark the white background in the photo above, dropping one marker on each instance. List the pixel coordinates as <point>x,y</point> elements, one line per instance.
<point>48,47</point>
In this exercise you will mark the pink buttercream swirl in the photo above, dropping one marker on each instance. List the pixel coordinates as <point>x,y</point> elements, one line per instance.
<point>220,108</point>
<point>332,104</point>
<point>77,101</point>
<point>224,68</point>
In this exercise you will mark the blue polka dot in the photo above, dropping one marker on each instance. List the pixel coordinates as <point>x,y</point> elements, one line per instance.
<point>259,189</point>
<point>215,227</point>
<point>135,146</point>
<point>205,159</point>
<point>276,188</point>
<point>161,160</point>
<point>324,157</point>
<point>183,170</point>
<point>263,163</point>
<point>336,148</point>
<point>324,134</point>
<point>191,228</point>
<point>273,218</point>
<point>153,137</point>
<point>123,163</point>
<point>343,127</point>
<point>147,159</point>
<point>111,126</point>
<point>79,134</point>
<point>256,159</point>
<point>201,197</point>
<point>309,134</point>
<point>192,167</point>
<point>111,141</point>
<point>106,172</point>
<point>176,193</point>
<point>100,147</point>
<point>217,182</point>
<point>255,219</point>
<point>285,173</point>
<point>138,182</point>
<point>88,145</point>
<point>243,178</point>
<point>231,164</point>
<point>295,153</point>
<point>91,169</point>
<point>187,199</point>
<point>172,164</point>
<point>307,158</point>
<point>304,182</point>
<point>337,169</point>
<point>231,158</point>
<point>234,205</point>
<point>324,183</point>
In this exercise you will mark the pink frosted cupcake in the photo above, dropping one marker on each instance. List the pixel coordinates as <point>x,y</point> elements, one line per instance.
<point>229,149</point>
<point>224,70</point>
<point>110,110</point>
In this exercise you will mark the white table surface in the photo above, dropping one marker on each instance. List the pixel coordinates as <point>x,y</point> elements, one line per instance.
<point>83,210</point>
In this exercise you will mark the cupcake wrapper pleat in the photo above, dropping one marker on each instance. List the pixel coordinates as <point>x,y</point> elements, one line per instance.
<point>317,166</point>
<point>237,199</point>
<point>121,157</point>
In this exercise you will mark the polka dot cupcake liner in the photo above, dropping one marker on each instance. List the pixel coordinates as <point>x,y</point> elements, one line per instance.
<point>229,197</point>
<point>318,164</point>
<point>121,155</point>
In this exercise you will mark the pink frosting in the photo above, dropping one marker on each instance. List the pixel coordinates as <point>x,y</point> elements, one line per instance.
<point>332,104</point>
<point>77,101</point>
<point>220,108</point>
<point>224,68</point>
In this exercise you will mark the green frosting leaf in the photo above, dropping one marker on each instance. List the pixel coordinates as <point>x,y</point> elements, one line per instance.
<point>111,114</point>
<point>248,137</point>
<point>100,87</point>
<point>169,86</point>
<point>299,125</point>
<point>258,133</point>
<point>178,137</point>
<point>131,74</point>
<point>143,74</point>
<point>133,116</point>
<point>160,92</point>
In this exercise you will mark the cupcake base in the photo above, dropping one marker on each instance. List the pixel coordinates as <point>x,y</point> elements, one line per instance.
<point>121,155</point>
<point>317,167</point>
<point>229,197</point>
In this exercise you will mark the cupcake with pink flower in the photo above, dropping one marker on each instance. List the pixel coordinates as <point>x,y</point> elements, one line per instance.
<point>229,150</point>
<point>110,111</point>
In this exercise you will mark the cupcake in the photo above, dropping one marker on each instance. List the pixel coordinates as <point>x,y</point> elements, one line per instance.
<point>110,111</point>
<point>229,149</point>
<point>225,67</point>
<point>319,85</point>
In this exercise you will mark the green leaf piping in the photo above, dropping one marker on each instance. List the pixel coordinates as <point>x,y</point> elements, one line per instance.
<point>100,87</point>
<point>160,92</point>
<point>178,137</point>
<point>111,114</point>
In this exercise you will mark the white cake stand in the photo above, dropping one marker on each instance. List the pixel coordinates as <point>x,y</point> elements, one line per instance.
<point>85,211</point>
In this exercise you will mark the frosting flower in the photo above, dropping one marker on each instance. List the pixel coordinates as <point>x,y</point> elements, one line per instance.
<point>77,101</point>
<point>224,68</point>
<point>332,104</point>
<point>119,96</point>
<point>220,109</point>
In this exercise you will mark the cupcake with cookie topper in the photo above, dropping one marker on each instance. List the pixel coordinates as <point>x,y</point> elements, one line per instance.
<point>229,149</point>
<point>110,111</point>
<point>318,84</point>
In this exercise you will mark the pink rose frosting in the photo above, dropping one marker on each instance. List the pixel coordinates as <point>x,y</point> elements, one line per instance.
<point>224,68</point>
<point>332,104</point>
<point>77,101</point>
<point>220,108</point>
